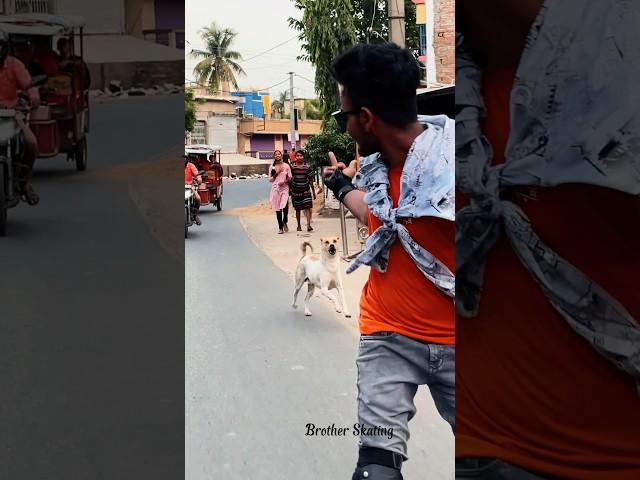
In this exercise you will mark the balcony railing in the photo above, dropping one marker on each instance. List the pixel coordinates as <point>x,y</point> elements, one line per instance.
<point>31,6</point>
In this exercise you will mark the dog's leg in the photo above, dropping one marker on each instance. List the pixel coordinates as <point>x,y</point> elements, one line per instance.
<point>343,300</point>
<point>310,288</point>
<point>330,295</point>
<point>296,289</point>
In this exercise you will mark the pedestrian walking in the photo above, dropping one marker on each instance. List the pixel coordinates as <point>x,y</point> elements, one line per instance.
<point>407,324</point>
<point>302,191</point>
<point>280,176</point>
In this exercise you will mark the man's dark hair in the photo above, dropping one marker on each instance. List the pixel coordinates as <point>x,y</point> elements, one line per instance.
<point>383,78</point>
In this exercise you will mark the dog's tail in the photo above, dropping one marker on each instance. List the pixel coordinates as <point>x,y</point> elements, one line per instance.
<point>303,248</point>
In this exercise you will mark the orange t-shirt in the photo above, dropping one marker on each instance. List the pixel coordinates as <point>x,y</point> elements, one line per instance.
<point>190,172</point>
<point>402,300</point>
<point>529,390</point>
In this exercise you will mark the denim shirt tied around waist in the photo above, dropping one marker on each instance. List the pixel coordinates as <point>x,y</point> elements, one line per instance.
<point>426,189</point>
<point>575,118</point>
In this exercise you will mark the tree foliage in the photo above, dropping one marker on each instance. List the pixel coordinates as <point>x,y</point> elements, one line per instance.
<point>326,30</point>
<point>189,110</point>
<point>331,139</point>
<point>218,64</point>
<point>313,109</point>
<point>373,27</point>
<point>277,106</point>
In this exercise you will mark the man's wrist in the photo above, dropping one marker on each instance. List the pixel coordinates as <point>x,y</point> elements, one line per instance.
<point>342,193</point>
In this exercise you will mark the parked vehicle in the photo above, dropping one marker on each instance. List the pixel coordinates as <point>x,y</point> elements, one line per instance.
<point>61,122</point>
<point>207,159</point>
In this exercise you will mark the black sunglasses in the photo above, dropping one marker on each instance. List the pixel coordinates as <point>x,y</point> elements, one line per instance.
<point>342,117</point>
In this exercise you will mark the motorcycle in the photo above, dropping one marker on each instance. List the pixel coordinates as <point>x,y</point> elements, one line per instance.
<point>11,147</point>
<point>189,196</point>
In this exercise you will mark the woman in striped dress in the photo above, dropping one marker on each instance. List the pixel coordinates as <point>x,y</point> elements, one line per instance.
<point>302,189</point>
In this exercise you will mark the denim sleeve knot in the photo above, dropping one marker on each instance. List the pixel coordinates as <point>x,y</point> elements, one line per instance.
<point>426,189</point>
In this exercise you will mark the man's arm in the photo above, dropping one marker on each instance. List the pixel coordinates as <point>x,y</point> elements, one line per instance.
<point>338,178</point>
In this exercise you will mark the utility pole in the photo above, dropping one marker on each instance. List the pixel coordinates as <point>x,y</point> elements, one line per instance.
<point>396,22</point>
<point>292,108</point>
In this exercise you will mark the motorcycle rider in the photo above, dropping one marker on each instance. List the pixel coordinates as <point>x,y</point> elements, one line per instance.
<point>13,78</point>
<point>191,173</point>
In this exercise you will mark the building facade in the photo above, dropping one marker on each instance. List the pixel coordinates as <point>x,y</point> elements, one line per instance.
<point>436,22</point>
<point>216,120</point>
<point>260,137</point>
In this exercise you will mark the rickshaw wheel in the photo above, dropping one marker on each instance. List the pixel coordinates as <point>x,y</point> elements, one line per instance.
<point>3,204</point>
<point>80,155</point>
<point>219,203</point>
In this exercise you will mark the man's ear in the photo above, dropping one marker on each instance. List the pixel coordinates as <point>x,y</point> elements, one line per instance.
<point>367,119</point>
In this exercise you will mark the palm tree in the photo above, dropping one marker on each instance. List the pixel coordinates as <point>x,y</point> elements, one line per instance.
<point>277,106</point>
<point>218,67</point>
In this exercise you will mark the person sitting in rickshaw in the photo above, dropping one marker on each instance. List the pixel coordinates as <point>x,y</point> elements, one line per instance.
<point>45,57</point>
<point>191,173</point>
<point>15,77</point>
<point>215,166</point>
<point>68,63</point>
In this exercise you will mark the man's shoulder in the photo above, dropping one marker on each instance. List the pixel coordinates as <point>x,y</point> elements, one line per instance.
<point>14,62</point>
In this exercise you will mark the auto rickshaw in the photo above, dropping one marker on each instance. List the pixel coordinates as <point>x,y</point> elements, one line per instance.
<point>207,159</point>
<point>61,122</point>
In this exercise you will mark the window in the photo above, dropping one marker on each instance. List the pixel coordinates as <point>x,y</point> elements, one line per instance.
<point>199,134</point>
<point>423,39</point>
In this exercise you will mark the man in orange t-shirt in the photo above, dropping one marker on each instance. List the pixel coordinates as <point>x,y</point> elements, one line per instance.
<point>191,174</point>
<point>15,78</point>
<point>406,322</point>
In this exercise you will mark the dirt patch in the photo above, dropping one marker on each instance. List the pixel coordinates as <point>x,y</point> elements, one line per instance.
<point>151,184</point>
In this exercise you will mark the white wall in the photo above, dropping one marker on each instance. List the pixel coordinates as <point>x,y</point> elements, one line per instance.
<point>223,131</point>
<point>104,16</point>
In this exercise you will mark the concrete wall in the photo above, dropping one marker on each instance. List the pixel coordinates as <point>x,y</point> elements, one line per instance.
<point>246,169</point>
<point>106,16</point>
<point>305,127</point>
<point>136,74</point>
<point>139,15</point>
<point>444,41</point>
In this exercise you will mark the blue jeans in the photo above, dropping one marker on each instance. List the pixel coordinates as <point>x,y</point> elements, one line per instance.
<point>390,369</point>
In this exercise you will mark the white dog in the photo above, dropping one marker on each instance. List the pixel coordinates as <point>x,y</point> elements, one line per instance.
<point>320,271</point>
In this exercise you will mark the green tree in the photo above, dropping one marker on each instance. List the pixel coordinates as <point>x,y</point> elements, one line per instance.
<point>277,106</point>
<point>331,139</point>
<point>189,110</point>
<point>218,66</point>
<point>374,28</point>
<point>326,30</point>
<point>313,109</point>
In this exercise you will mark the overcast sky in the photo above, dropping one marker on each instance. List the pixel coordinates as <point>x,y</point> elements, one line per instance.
<point>260,25</point>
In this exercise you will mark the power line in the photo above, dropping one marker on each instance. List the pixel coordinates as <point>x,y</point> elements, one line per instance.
<point>272,48</point>
<point>255,56</point>
<point>304,78</point>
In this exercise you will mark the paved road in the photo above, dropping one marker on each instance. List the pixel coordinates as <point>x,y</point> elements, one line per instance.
<point>257,371</point>
<point>91,319</point>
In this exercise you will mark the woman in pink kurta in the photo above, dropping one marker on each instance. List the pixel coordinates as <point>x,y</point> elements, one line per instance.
<point>280,176</point>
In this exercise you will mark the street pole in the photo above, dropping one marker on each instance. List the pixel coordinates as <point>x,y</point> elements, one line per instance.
<point>292,125</point>
<point>396,22</point>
